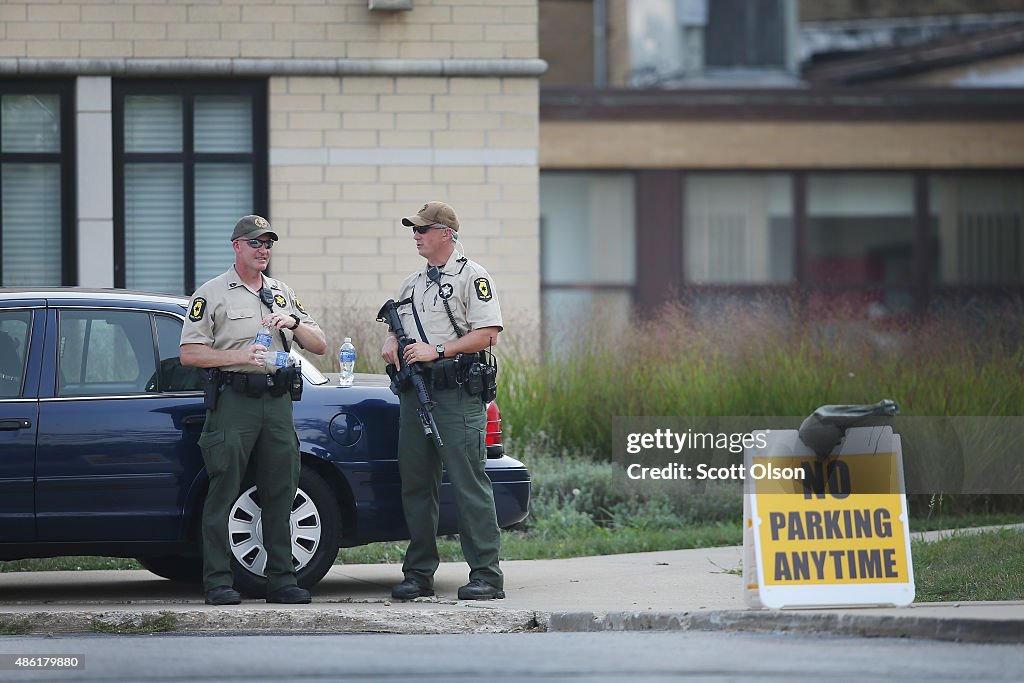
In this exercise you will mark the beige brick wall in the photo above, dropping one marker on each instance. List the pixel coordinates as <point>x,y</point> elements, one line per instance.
<point>351,156</point>
<point>766,145</point>
<point>304,29</point>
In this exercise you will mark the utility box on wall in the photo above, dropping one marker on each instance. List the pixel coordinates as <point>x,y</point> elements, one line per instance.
<point>389,5</point>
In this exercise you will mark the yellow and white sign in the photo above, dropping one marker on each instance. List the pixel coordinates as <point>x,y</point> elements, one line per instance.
<point>838,534</point>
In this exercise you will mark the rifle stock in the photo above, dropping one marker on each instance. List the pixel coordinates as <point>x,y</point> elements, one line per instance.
<point>389,314</point>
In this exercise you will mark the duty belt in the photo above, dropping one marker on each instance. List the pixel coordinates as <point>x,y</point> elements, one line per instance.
<point>450,373</point>
<point>287,380</point>
<point>251,383</point>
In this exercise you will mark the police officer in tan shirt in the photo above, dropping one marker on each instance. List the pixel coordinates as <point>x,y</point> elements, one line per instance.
<point>252,417</point>
<point>456,315</point>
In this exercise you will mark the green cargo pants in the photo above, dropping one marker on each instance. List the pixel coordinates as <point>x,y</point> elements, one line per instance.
<point>261,427</point>
<point>462,420</point>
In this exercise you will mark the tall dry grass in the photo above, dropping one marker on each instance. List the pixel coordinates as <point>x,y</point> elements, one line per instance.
<point>756,359</point>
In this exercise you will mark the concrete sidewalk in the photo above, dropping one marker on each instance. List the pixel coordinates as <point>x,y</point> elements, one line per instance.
<point>680,589</point>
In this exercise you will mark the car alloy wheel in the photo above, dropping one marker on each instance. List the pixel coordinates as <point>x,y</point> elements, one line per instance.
<point>315,521</point>
<point>245,529</point>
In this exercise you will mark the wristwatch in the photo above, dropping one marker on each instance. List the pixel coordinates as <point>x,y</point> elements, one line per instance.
<point>296,319</point>
<point>440,350</point>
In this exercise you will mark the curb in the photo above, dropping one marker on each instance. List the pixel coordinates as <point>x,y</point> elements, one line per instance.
<point>448,621</point>
<point>830,623</point>
<point>132,622</point>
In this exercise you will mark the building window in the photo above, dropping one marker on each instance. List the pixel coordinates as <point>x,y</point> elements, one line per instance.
<point>588,249</point>
<point>976,223</point>
<point>675,41</point>
<point>190,159</point>
<point>739,228</point>
<point>37,240</point>
<point>860,236</point>
<point>747,34</point>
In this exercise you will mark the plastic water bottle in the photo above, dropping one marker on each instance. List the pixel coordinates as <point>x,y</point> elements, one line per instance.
<point>263,337</point>
<point>278,359</point>
<point>347,359</point>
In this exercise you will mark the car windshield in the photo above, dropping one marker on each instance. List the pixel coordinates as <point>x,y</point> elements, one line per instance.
<point>309,370</point>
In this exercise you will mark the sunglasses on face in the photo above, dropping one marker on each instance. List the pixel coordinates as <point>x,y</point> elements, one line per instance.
<point>424,229</point>
<point>256,244</point>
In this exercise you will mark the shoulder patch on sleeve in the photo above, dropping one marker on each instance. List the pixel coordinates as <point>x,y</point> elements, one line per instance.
<point>483,289</point>
<point>197,310</point>
<point>298,305</point>
<point>279,300</point>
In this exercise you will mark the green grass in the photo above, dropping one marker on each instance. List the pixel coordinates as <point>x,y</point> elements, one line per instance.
<point>68,563</point>
<point>983,566</point>
<point>15,627</point>
<point>757,360</point>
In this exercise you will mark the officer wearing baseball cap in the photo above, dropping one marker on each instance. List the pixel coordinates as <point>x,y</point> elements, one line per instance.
<point>456,316</point>
<point>251,227</point>
<point>433,213</point>
<point>252,415</point>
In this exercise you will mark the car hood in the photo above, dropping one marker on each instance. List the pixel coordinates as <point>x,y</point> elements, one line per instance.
<point>362,380</point>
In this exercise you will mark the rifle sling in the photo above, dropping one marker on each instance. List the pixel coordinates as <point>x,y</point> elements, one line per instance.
<point>416,316</point>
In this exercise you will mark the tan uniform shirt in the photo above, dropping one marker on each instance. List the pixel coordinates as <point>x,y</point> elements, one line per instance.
<point>470,293</point>
<point>226,314</point>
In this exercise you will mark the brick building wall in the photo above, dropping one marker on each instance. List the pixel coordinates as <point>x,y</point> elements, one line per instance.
<point>349,154</point>
<point>781,144</point>
<point>293,29</point>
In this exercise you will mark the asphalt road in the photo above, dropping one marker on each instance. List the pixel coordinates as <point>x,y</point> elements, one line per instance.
<point>535,658</point>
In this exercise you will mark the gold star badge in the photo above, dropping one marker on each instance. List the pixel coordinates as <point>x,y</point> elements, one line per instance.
<point>197,310</point>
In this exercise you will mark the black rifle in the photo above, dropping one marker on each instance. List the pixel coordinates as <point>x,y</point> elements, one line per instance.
<point>405,372</point>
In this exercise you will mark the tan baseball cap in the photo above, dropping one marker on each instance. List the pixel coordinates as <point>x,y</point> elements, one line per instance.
<point>249,227</point>
<point>431,213</point>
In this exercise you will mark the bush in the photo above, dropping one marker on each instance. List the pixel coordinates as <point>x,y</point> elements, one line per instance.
<point>572,490</point>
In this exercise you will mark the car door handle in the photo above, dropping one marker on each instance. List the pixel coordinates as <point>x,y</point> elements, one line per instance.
<point>14,423</point>
<point>193,421</point>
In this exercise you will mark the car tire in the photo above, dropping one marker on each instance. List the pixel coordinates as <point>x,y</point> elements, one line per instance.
<point>316,527</point>
<point>183,568</point>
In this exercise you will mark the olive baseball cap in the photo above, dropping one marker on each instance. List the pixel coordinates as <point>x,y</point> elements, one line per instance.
<point>249,227</point>
<point>431,213</point>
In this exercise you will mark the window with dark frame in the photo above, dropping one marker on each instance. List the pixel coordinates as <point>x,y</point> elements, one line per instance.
<point>587,252</point>
<point>745,34</point>
<point>871,242</point>
<point>190,158</point>
<point>37,170</point>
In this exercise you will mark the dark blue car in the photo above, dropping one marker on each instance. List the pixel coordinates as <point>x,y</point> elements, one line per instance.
<point>98,455</point>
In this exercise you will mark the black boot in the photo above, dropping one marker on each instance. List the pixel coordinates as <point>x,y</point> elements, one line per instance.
<point>478,589</point>
<point>289,595</point>
<point>409,589</point>
<point>223,595</point>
